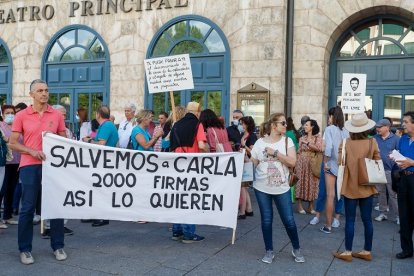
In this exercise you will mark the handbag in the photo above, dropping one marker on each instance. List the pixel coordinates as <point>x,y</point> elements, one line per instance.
<point>315,163</point>
<point>293,178</point>
<point>371,172</point>
<point>248,172</point>
<point>219,146</point>
<point>341,171</point>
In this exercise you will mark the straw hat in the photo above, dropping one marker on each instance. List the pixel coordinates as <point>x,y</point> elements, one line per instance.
<point>359,123</point>
<point>193,107</point>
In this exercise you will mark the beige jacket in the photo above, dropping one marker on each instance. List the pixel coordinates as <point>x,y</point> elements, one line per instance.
<point>356,149</point>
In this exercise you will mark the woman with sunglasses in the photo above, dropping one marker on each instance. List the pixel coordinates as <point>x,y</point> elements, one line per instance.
<point>273,154</point>
<point>247,141</point>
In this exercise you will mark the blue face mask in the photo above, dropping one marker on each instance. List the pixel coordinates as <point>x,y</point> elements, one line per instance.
<point>240,128</point>
<point>235,122</point>
<point>9,118</point>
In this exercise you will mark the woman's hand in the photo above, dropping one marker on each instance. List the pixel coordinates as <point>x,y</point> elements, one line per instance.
<point>159,133</point>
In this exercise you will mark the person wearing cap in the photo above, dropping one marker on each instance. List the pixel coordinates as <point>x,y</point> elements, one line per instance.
<point>387,142</point>
<point>406,187</point>
<point>187,136</point>
<point>356,147</point>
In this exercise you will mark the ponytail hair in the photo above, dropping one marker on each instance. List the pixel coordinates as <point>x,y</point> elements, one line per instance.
<point>265,127</point>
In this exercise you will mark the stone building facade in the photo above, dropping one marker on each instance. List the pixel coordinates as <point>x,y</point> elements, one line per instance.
<point>249,46</point>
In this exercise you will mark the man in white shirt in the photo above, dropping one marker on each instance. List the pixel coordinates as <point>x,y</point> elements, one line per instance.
<point>126,126</point>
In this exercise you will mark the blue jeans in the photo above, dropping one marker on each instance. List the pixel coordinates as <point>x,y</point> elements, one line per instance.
<point>365,207</point>
<point>320,202</point>
<point>31,177</point>
<point>188,230</point>
<point>284,207</point>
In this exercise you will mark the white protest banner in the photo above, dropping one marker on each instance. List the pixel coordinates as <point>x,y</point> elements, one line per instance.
<point>88,181</point>
<point>353,93</point>
<point>172,73</point>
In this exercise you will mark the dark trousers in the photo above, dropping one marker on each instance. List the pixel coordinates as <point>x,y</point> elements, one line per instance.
<point>31,177</point>
<point>406,212</point>
<point>11,177</point>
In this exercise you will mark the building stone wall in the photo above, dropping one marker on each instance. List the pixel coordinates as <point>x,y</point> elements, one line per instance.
<point>254,29</point>
<point>318,25</point>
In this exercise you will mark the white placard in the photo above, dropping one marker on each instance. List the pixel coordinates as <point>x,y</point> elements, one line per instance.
<point>88,181</point>
<point>353,93</point>
<point>172,73</point>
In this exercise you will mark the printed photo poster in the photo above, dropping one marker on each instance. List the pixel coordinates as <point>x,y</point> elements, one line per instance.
<point>172,73</point>
<point>89,181</point>
<point>353,93</point>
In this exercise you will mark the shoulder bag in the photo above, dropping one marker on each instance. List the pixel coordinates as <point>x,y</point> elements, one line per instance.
<point>293,178</point>
<point>219,146</point>
<point>341,171</point>
<point>371,172</point>
<point>315,162</point>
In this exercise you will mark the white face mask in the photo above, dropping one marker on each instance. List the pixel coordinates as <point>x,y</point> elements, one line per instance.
<point>240,128</point>
<point>235,122</point>
<point>9,118</point>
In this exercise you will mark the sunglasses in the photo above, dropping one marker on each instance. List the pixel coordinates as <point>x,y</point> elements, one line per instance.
<point>283,123</point>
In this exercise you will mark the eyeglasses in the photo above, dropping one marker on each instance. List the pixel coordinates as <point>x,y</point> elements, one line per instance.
<point>283,123</point>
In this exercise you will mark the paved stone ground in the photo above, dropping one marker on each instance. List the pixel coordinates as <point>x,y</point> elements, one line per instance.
<point>127,248</point>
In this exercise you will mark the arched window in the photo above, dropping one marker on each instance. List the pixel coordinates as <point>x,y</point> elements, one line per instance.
<point>77,45</point>
<point>382,47</point>
<point>210,61</point>
<point>5,74</point>
<point>76,67</point>
<point>379,37</point>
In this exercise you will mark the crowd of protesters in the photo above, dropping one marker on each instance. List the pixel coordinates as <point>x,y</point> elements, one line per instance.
<point>277,152</point>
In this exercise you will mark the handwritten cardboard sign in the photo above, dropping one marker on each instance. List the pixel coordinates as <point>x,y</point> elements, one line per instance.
<point>172,73</point>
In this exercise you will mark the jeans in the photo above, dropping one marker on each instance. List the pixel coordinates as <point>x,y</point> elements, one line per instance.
<point>31,177</point>
<point>406,211</point>
<point>365,207</point>
<point>284,206</point>
<point>188,230</point>
<point>321,200</point>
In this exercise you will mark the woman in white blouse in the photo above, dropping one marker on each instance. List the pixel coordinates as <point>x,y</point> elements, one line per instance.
<point>272,156</point>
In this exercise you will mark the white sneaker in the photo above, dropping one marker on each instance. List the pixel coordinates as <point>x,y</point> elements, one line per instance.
<point>36,219</point>
<point>26,258</point>
<point>314,221</point>
<point>336,223</point>
<point>60,254</point>
<point>381,217</point>
<point>2,225</point>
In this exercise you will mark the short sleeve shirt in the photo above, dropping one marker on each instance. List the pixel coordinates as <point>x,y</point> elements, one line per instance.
<point>269,165</point>
<point>201,136</point>
<point>124,133</point>
<point>139,130</point>
<point>31,125</point>
<point>107,131</point>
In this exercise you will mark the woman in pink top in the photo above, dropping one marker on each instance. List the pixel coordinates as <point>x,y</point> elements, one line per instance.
<point>216,133</point>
